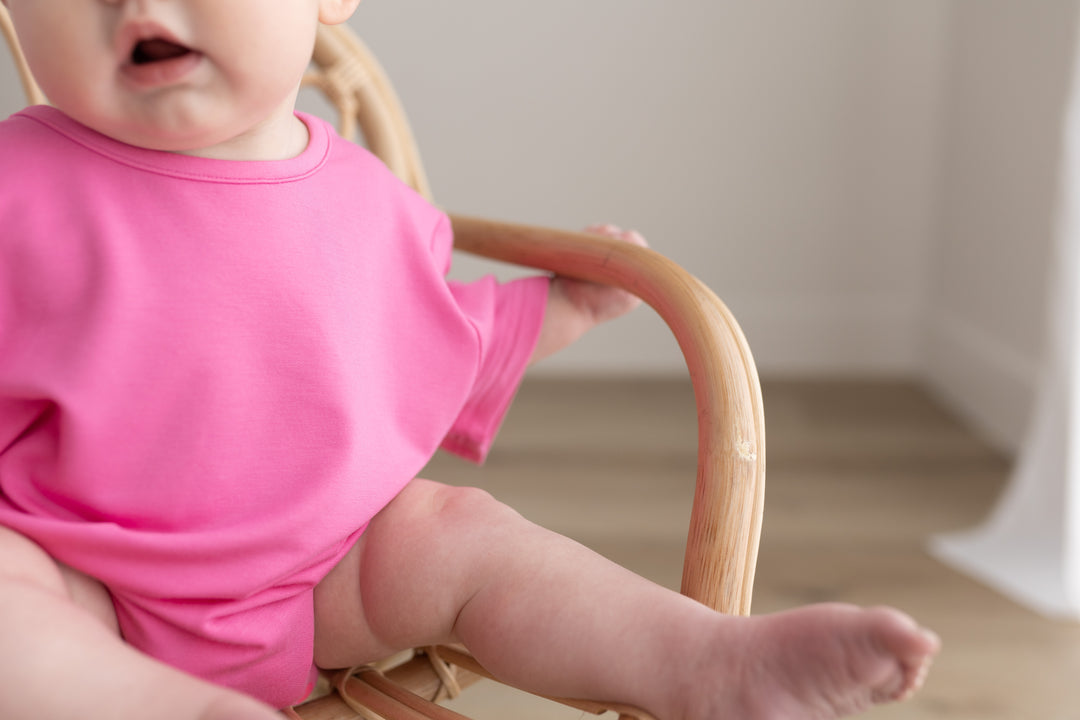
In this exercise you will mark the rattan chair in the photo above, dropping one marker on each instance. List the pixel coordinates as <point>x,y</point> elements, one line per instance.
<point>725,522</point>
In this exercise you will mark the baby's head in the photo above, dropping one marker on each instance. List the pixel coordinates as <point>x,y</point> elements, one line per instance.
<point>208,77</point>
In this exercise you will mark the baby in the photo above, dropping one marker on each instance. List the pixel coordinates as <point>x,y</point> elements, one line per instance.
<point>227,346</point>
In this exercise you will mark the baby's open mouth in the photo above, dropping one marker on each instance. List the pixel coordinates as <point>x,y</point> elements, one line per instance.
<point>156,50</point>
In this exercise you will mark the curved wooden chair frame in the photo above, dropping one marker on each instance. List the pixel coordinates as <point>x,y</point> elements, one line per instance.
<point>725,522</point>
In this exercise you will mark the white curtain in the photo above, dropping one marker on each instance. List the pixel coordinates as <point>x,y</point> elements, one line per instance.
<point>1029,548</point>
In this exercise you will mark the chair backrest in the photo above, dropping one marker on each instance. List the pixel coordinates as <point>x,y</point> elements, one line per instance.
<point>354,82</point>
<point>348,75</point>
<point>34,96</point>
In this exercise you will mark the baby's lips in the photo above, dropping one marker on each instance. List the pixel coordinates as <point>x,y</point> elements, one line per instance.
<point>156,50</point>
<point>138,30</point>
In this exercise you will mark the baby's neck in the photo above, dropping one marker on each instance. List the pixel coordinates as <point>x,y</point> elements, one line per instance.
<point>279,138</point>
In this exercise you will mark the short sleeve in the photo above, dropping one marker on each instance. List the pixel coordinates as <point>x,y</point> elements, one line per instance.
<point>507,317</point>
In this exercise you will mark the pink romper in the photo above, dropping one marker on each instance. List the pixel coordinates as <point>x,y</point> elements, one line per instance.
<point>213,374</point>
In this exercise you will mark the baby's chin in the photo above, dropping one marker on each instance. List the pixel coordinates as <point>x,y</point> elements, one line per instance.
<point>177,138</point>
<point>188,139</point>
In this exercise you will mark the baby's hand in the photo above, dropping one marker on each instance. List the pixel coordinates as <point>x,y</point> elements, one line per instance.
<point>601,303</point>
<point>575,306</point>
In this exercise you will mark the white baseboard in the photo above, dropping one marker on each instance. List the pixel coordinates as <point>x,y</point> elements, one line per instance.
<point>988,383</point>
<point>981,377</point>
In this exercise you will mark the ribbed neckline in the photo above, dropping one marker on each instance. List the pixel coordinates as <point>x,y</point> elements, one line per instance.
<point>186,166</point>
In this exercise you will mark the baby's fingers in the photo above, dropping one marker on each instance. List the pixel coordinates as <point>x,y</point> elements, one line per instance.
<point>613,231</point>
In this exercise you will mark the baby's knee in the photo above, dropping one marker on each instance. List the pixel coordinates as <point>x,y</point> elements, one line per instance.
<point>470,504</point>
<point>453,506</point>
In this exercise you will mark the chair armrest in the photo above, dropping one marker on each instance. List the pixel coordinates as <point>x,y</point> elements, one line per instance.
<point>725,523</point>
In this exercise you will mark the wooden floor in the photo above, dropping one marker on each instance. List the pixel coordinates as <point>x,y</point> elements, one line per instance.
<point>860,474</point>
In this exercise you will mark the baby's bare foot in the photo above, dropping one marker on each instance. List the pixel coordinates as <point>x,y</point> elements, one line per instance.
<point>820,663</point>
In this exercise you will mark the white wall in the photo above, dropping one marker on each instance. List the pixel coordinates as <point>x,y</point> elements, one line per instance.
<point>781,150</point>
<point>1008,75</point>
<point>870,186</point>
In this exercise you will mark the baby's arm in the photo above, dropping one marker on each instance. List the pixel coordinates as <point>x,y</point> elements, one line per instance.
<point>576,306</point>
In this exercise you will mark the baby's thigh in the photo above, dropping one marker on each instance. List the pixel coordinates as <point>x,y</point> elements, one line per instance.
<point>25,562</point>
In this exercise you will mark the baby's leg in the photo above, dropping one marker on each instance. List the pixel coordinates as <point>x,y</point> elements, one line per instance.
<point>62,656</point>
<point>539,611</point>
